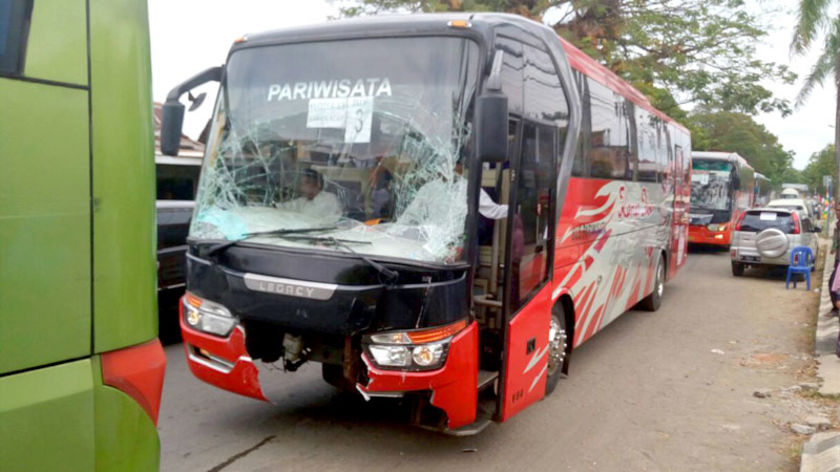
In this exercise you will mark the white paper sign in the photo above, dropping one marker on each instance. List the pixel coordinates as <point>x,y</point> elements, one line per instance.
<point>327,113</point>
<point>359,118</point>
<point>767,216</point>
<point>702,179</point>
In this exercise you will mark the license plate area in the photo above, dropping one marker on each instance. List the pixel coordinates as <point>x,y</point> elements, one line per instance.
<point>751,258</point>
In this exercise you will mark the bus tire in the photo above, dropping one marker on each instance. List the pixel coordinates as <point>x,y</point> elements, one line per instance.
<point>334,375</point>
<point>737,269</point>
<point>559,349</point>
<point>653,301</point>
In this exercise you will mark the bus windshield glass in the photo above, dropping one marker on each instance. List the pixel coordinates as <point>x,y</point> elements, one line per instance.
<point>711,186</point>
<point>343,144</point>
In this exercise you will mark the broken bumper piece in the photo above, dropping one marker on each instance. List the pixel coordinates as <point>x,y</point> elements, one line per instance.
<point>453,386</point>
<point>223,362</point>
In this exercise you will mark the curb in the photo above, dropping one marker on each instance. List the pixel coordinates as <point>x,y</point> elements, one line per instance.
<point>822,450</point>
<point>828,328</point>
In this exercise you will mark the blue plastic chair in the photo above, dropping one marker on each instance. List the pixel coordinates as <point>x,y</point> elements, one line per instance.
<point>801,258</point>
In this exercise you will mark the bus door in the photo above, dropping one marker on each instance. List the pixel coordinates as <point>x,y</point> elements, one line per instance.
<point>679,217</point>
<point>528,257</point>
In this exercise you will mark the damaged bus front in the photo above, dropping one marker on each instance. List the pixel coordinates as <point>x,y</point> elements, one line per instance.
<point>336,218</point>
<point>332,214</point>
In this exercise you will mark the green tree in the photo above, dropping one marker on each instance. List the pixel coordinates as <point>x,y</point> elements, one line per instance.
<point>816,21</point>
<point>819,164</point>
<point>701,51</point>
<point>737,132</point>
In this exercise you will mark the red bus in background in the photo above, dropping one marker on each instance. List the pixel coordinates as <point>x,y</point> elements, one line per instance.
<point>443,226</point>
<point>722,188</point>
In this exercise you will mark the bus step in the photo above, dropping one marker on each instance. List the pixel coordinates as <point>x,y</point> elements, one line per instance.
<point>486,378</point>
<point>475,427</point>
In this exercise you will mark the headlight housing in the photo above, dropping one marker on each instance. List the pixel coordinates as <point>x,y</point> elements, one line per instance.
<point>716,227</point>
<point>206,316</point>
<point>423,349</point>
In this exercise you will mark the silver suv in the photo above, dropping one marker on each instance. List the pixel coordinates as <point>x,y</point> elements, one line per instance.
<point>765,236</point>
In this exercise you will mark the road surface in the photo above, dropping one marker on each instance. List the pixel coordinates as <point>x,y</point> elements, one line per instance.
<point>671,390</point>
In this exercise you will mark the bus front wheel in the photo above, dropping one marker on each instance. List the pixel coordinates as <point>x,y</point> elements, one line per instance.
<point>558,349</point>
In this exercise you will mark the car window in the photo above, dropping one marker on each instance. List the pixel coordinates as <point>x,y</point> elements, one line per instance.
<point>756,221</point>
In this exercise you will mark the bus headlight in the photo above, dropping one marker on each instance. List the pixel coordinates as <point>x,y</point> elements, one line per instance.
<point>714,227</point>
<point>206,316</point>
<point>423,349</point>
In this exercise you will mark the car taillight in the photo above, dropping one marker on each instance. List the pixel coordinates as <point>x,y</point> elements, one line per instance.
<point>796,227</point>
<point>137,371</point>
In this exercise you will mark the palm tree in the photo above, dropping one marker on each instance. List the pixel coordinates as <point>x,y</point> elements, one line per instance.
<point>815,20</point>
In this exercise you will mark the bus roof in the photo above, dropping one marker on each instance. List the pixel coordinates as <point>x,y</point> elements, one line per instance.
<point>720,156</point>
<point>483,23</point>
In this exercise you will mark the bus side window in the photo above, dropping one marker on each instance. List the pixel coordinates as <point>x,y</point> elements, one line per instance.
<point>612,149</point>
<point>531,219</point>
<point>14,29</point>
<point>580,167</point>
<point>511,73</point>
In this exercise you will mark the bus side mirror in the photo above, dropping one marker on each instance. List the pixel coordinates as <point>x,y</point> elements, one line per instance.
<point>171,122</point>
<point>491,117</point>
<point>491,126</point>
<point>172,112</point>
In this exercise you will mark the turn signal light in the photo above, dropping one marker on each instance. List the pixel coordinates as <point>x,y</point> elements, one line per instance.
<point>436,334</point>
<point>459,24</point>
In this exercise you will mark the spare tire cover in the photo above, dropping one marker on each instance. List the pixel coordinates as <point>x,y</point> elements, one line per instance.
<point>771,242</point>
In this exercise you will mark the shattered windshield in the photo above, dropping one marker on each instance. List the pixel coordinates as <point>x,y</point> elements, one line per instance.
<point>363,138</point>
<point>711,185</point>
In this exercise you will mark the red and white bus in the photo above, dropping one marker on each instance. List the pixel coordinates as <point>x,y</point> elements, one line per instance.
<point>722,188</point>
<point>434,207</point>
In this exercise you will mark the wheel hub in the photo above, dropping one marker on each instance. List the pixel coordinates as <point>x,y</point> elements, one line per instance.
<point>660,283</point>
<point>557,343</point>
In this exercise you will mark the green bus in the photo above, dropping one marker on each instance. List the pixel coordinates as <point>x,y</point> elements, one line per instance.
<point>81,368</point>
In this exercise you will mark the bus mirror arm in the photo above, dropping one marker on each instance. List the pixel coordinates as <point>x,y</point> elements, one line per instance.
<point>172,112</point>
<point>491,117</point>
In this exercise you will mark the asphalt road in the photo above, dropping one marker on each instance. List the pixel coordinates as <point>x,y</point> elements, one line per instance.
<point>671,390</point>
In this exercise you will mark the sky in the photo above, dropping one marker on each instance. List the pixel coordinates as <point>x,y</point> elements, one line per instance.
<point>188,36</point>
<point>811,127</point>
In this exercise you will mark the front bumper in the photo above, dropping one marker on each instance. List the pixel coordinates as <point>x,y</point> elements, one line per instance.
<point>702,235</point>
<point>225,363</point>
<point>454,386</point>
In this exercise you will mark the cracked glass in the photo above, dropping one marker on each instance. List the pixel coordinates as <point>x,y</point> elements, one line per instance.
<point>359,142</point>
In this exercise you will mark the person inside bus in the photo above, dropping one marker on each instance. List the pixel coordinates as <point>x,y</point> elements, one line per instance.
<point>313,200</point>
<point>487,207</point>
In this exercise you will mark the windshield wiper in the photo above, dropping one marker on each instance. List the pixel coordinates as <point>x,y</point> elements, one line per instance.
<point>277,232</point>
<point>390,275</point>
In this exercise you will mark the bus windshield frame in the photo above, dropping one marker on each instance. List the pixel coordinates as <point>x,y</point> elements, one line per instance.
<point>711,185</point>
<point>282,154</point>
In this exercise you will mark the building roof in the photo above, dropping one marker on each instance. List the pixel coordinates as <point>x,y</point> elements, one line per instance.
<point>190,148</point>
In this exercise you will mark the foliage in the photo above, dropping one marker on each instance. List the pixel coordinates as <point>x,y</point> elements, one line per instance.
<point>701,51</point>
<point>737,132</point>
<point>815,20</point>
<point>819,164</point>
